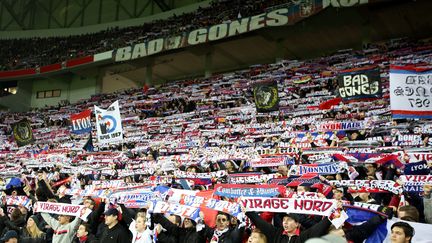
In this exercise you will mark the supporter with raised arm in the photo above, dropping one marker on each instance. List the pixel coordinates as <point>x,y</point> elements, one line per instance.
<point>163,235</point>
<point>64,228</point>
<point>141,233</point>
<point>289,232</point>
<point>185,234</point>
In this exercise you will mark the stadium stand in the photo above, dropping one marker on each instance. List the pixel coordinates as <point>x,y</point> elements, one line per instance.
<point>331,149</point>
<point>205,134</point>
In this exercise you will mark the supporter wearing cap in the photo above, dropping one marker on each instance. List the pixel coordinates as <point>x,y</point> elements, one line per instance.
<point>113,232</point>
<point>401,232</point>
<point>10,237</point>
<point>289,232</point>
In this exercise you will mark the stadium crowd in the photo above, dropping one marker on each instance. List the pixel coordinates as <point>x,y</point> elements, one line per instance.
<point>36,52</point>
<point>203,138</point>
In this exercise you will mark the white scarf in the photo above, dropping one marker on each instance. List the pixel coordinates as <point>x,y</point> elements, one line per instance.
<point>217,234</point>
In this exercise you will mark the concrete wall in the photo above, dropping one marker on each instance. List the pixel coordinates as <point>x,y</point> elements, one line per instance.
<point>112,83</point>
<point>22,99</point>
<point>73,88</point>
<point>53,83</point>
<point>82,88</point>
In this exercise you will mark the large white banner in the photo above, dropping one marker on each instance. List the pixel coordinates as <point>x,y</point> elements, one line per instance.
<point>62,209</point>
<point>410,92</point>
<point>108,124</point>
<point>422,231</point>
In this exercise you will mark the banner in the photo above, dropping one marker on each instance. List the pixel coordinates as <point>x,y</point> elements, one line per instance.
<point>373,186</point>
<point>417,168</point>
<point>206,175</point>
<point>134,199</point>
<point>62,209</point>
<point>81,122</point>
<point>23,133</point>
<point>422,231</point>
<point>271,162</point>
<point>211,203</point>
<point>331,126</point>
<point>297,180</point>
<point>19,201</point>
<point>266,96</point>
<point>321,169</point>
<point>410,93</point>
<point>176,209</point>
<point>109,184</point>
<point>360,84</point>
<point>322,207</point>
<point>246,178</point>
<point>415,183</point>
<point>416,157</point>
<point>416,178</point>
<point>236,191</point>
<point>108,124</point>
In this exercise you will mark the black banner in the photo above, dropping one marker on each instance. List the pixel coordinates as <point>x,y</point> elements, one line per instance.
<point>360,84</point>
<point>266,96</point>
<point>23,133</point>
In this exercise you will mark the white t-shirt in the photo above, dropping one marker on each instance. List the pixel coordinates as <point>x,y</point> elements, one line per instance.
<point>143,237</point>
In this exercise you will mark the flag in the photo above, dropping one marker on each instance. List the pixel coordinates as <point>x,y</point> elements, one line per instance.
<point>329,103</point>
<point>357,215</point>
<point>390,159</point>
<point>145,88</point>
<point>23,133</point>
<point>81,122</point>
<point>36,153</point>
<point>409,92</point>
<point>266,96</point>
<point>108,124</point>
<point>360,83</point>
<point>88,146</point>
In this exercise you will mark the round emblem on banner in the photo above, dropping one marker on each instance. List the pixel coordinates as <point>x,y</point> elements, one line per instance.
<point>266,97</point>
<point>107,124</point>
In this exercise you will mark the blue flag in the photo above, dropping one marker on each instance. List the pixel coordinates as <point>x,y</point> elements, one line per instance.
<point>357,215</point>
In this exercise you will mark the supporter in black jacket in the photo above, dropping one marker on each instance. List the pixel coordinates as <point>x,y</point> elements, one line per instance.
<point>288,233</point>
<point>166,236</point>
<point>95,215</point>
<point>185,234</point>
<point>223,233</point>
<point>113,232</point>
